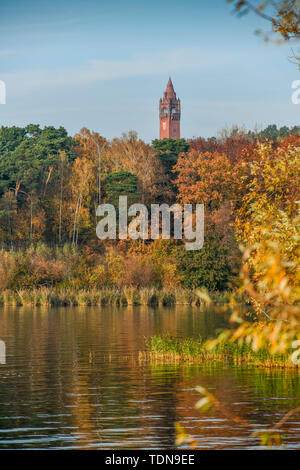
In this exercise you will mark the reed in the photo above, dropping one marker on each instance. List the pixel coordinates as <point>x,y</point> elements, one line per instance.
<point>148,296</point>
<point>47,296</point>
<point>167,349</point>
<point>131,295</point>
<point>186,297</point>
<point>166,297</point>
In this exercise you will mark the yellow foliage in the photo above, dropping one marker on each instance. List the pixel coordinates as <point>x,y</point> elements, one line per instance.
<point>268,224</point>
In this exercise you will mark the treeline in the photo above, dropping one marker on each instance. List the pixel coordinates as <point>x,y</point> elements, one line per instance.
<point>51,184</point>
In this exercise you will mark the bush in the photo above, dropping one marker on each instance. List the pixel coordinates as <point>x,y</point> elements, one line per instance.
<point>46,271</point>
<point>138,272</point>
<point>208,267</point>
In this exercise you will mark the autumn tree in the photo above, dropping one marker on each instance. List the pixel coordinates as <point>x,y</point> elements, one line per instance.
<point>230,142</point>
<point>283,16</point>
<point>92,145</point>
<point>204,178</point>
<point>268,225</point>
<point>82,182</point>
<point>209,179</point>
<point>272,195</point>
<point>131,154</point>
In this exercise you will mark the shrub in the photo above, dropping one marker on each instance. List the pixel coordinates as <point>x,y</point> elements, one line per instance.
<point>138,272</point>
<point>208,267</point>
<point>46,270</point>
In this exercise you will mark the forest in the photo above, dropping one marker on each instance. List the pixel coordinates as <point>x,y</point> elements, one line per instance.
<point>51,184</point>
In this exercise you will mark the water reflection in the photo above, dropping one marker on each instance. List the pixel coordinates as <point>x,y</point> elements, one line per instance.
<point>73,380</point>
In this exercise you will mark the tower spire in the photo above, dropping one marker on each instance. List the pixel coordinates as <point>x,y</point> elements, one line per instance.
<point>169,113</point>
<point>170,84</point>
<point>170,89</point>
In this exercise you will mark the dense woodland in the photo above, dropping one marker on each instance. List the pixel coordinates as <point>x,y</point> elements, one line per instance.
<point>51,184</point>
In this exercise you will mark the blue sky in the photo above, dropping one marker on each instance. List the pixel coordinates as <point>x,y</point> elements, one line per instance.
<point>104,64</point>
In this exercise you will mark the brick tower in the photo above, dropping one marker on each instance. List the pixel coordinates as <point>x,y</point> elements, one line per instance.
<point>169,114</point>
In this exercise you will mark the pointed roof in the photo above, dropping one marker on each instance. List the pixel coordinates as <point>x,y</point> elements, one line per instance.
<point>170,92</point>
<point>170,85</point>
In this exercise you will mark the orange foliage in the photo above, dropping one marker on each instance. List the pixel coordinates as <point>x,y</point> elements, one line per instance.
<point>204,178</point>
<point>232,147</point>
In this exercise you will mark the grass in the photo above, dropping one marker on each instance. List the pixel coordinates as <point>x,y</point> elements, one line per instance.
<point>107,296</point>
<point>168,349</point>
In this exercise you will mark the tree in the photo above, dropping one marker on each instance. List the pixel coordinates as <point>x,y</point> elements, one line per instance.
<point>271,132</point>
<point>168,151</point>
<point>29,162</point>
<point>121,183</point>
<point>62,164</point>
<point>92,146</point>
<point>208,267</point>
<point>82,181</point>
<point>10,138</point>
<point>131,154</point>
<point>268,224</point>
<point>34,157</point>
<point>283,15</point>
<point>230,142</point>
<point>205,178</point>
<point>272,196</point>
<point>8,213</point>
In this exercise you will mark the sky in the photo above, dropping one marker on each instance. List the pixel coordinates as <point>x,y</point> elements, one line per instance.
<point>104,64</point>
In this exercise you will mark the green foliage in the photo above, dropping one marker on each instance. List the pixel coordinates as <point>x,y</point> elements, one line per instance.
<point>10,138</point>
<point>26,154</point>
<point>208,267</point>
<point>168,151</point>
<point>271,132</point>
<point>121,183</point>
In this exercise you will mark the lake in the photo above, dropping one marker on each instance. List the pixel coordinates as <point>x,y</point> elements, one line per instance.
<point>73,379</point>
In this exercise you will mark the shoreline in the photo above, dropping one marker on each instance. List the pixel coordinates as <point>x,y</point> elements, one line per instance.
<point>58,297</point>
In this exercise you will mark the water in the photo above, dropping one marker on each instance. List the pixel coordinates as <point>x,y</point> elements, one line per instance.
<point>73,380</point>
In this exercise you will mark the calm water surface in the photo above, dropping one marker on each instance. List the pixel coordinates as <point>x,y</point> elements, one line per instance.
<point>73,379</point>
